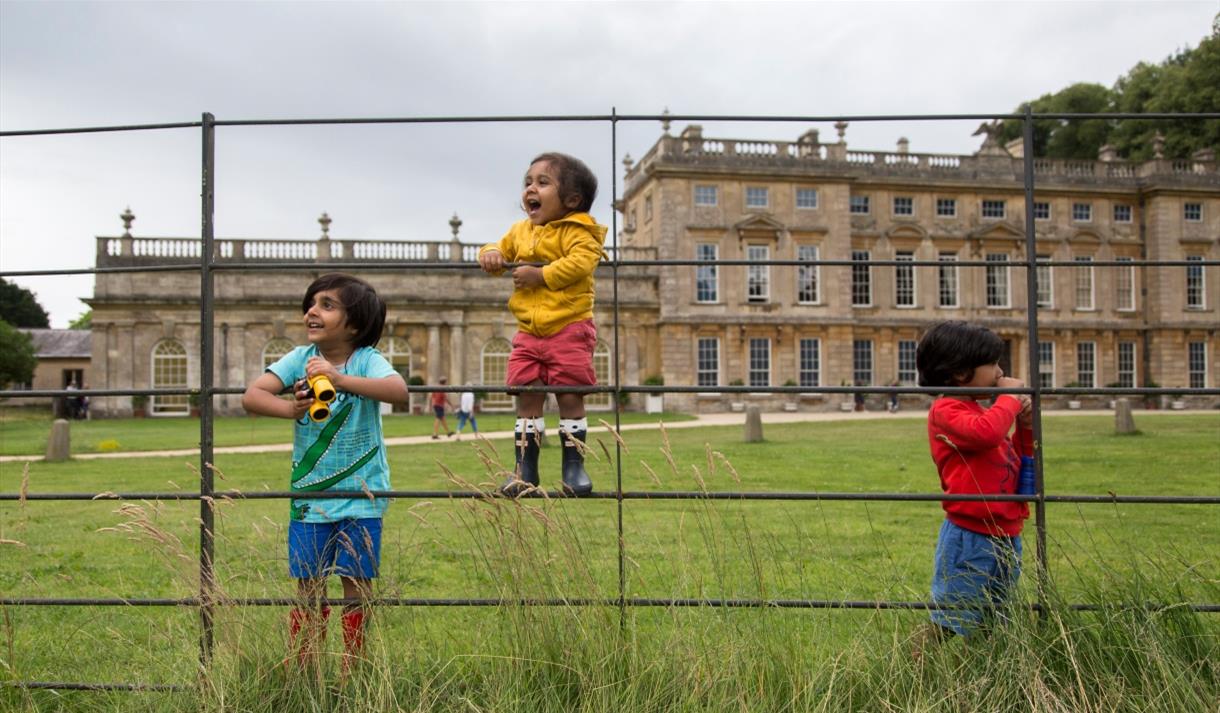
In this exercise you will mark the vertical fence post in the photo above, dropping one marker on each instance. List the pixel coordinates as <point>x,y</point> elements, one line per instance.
<point>207,357</point>
<point>618,449</point>
<point>1035,381</point>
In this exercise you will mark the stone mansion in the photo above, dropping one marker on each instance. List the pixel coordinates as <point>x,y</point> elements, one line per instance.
<point>703,199</point>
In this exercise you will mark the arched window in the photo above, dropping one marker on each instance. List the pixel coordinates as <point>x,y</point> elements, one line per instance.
<point>494,365</point>
<point>275,349</point>
<point>169,372</point>
<point>601,369</point>
<point>397,351</point>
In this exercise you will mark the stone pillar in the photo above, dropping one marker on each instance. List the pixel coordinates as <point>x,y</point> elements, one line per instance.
<point>59,443</point>
<point>434,353</point>
<point>457,353</point>
<point>1124,422</point>
<point>753,431</point>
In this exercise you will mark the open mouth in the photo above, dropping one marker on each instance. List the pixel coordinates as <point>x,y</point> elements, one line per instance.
<point>532,205</point>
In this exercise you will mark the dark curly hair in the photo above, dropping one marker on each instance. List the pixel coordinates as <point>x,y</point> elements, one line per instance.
<point>365,309</point>
<point>575,179</point>
<point>952,348</point>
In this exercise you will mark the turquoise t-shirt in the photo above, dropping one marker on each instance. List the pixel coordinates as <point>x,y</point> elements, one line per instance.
<point>344,452</point>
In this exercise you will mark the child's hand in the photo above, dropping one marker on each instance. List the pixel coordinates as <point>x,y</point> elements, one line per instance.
<point>318,365</point>
<point>302,399</point>
<point>1007,382</point>
<point>1025,419</point>
<point>492,262</point>
<point>528,276</point>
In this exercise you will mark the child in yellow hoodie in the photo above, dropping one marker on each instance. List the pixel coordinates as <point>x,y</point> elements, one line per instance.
<point>555,249</point>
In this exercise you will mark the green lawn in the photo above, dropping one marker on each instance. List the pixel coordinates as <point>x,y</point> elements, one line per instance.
<point>554,548</point>
<point>25,431</point>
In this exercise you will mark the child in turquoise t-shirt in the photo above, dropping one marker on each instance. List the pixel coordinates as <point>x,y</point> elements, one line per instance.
<point>343,451</point>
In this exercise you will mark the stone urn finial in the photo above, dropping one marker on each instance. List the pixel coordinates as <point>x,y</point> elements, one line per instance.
<point>1158,145</point>
<point>325,222</point>
<point>841,127</point>
<point>904,145</point>
<point>665,121</point>
<point>127,217</point>
<point>628,162</point>
<point>454,224</point>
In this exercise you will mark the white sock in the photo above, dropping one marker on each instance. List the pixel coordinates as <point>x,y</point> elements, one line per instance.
<point>530,425</point>
<point>573,425</point>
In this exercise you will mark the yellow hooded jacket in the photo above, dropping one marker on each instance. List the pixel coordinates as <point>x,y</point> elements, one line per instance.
<point>571,247</point>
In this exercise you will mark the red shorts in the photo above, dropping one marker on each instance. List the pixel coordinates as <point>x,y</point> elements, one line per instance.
<point>562,359</point>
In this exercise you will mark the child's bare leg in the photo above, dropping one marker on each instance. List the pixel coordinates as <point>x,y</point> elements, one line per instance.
<point>526,442</point>
<point>355,616</point>
<point>307,622</point>
<point>573,431</point>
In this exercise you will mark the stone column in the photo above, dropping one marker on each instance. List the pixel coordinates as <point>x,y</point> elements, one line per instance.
<point>457,353</point>
<point>434,353</point>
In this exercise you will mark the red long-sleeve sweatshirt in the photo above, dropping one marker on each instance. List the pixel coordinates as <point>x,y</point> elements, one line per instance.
<point>975,456</point>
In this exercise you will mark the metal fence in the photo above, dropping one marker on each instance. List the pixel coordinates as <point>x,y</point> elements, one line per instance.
<point>209,263</point>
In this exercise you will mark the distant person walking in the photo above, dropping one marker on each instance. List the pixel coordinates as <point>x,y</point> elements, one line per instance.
<point>465,413</point>
<point>440,402</point>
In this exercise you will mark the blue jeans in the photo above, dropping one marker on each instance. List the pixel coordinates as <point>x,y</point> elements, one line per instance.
<point>463,417</point>
<point>975,571</point>
<point>348,548</point>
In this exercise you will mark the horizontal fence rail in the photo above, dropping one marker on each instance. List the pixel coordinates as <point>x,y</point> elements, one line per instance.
<point>208,256</point>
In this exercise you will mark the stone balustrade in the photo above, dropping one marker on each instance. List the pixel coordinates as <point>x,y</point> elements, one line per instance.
<point>693,148</point>
<point>126,250</point>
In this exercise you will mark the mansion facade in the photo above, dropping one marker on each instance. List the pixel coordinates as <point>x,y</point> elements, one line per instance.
<point>704,200</point>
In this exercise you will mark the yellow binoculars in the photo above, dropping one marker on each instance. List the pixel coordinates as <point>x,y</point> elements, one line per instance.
<point>323,394</point>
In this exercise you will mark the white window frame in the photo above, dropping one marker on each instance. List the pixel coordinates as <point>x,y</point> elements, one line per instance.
<point>1046,282</point>
<point>808,277</point>
<point>1192,212</point>
<point>758,277</point>
<point>707,361</point>
<point>493,368</point>
<point>709,252</point>
<point>946,207</point>
<point>275,349</point>
<point>1196,365</point>
<point>987,209</point>
<point>170,369</point>
<point>908,372</point>
<point>753,192</point>
<point>1125,362</point>
<point>1046,364</point>
<point>1196,284</point>
<point>702,193</point>
<point>946,280</point>
<point>602,374</point>
<point>1039,214</point>
<point>861,279</point>
<point>903,206</point>
<point>1082,212</point>
<point>1124,286</point>
<point>862,362</point>
<point>904,281</point>
<point>759,371</point>
<point>998,282</point>
<point>1086,364</point>
<point>800,199</point>
<point>859,204</point>
<point>1085,286</point>
<point>1123,206</point>
<point>809,361</point>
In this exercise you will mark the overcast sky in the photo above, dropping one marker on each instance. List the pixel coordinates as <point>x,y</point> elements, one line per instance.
<point>114,63</point>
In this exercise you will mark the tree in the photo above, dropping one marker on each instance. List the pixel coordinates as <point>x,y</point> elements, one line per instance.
<point>1187,82</point>
<point>20,308</point>
<point>17,358</point>
<point>83,321</point>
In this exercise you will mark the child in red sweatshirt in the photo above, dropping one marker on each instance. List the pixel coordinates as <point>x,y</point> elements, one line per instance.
<point>978,552</point>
